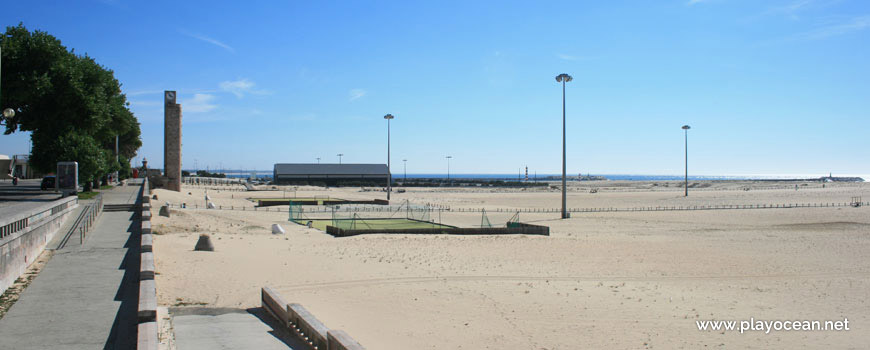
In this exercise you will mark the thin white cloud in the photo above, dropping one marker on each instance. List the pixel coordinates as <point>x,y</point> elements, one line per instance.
<point>238,87</point>
<point>566,57</point>
<point>200,103</point>
<point>794,9</point>
<point>209,40</point>
<point>241,87</point>
<point>849,26</point>
<point>356,94</point>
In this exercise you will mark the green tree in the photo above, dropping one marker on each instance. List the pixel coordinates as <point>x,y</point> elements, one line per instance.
<point>73,106</point>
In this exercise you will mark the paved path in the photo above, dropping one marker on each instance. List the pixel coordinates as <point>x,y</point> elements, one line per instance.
<point>86,296</point>
<point>206,329</point>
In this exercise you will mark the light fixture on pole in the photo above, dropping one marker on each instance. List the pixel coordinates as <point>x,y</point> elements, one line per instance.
<point>8,113</point>
<point>318,160</point>
<point>405,168</point>
<point>389,117</point>
<point>448,168</point>
<point>564,78</point>
<point>686,158</point>
<point>339,157</point>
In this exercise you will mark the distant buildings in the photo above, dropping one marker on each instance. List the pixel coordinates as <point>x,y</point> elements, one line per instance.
<point>331,174</point>
<point>17,165</point>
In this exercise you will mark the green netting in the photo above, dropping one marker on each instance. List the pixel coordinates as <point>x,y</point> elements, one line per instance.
<point>296,212</point>
<point>421,214</point>
<point>514,220</point>
<point>343,220</point>
<point>484,220</point>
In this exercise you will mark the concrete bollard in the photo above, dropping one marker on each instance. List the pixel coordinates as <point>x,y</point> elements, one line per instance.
<point>164,211</point>
<point>277,229</point>
<point>204,243</point>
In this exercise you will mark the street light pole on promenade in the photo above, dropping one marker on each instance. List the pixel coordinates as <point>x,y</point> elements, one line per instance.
<point>686,156</point>
<point>389,117</point>
<point>564,78</point>
<point>448,168</point>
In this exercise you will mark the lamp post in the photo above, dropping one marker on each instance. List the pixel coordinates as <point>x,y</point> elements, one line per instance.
<point>686,158</point>
<point>318,160</point>
<point>448,168</point>
<point>405,168</point>
<point>339,157</point>
<point>389,117</point>
<point>564,78</point>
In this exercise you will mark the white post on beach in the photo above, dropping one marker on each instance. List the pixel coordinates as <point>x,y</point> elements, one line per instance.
<point>448,168</point>
<point>564,78</point>
<point>686,158</point>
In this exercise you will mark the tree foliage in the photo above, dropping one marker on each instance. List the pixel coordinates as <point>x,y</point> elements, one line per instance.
<point>73,106</point>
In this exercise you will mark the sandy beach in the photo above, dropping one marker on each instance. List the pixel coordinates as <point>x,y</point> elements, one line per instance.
<point>600,280</point>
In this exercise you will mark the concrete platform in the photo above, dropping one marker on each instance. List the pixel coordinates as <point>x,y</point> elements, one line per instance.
<point>206,329</point>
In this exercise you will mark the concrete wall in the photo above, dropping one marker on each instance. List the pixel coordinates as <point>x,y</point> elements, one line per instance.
<point>147,310</point>
<point>303,323</point>
<point>172,145</point>
<point>24,235</point>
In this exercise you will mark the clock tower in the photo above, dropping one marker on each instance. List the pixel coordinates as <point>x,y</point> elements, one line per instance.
<point>171,141</point>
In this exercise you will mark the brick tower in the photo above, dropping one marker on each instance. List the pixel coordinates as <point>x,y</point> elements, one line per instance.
<point>172,141</point>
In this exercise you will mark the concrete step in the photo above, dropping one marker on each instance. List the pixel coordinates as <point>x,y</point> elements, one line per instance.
<point>119,207</point>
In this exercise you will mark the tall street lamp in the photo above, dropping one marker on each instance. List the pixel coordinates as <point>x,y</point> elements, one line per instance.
<point>389,117</point>
<point>686,137</point>
<point>318,160</point>
<point>405,169</point>
<point>564,78</point>
<point>448,168</point>
<point>339,157</point>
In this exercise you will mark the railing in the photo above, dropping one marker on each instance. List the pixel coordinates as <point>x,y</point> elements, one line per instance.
<point>91,213</point>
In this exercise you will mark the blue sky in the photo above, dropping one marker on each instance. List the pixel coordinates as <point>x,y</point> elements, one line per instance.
<point>769,87</point>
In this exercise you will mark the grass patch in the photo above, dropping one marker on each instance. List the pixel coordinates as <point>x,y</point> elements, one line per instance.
<point>294,199</point>
<point>106,187</point>
<point>365,224</point>
<point>88,195</point>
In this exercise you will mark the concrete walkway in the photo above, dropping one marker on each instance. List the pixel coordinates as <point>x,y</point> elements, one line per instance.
<point>210,328</point>
<point>86,296</point>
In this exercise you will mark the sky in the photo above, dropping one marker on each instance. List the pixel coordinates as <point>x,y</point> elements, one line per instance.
<point>768,87</point>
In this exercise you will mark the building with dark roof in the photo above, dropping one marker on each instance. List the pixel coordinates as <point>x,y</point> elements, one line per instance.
<point>331,174</point>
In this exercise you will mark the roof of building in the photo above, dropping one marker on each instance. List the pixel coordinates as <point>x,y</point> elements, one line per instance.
<point>331,169</point>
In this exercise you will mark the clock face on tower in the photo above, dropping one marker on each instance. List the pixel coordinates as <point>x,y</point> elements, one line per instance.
<point>170,96</point>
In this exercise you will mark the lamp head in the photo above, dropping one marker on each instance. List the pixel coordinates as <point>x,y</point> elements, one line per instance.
<point>686,127</point>
<point>389,116</point>
<point>8,113</point>
<point>564,77</point>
